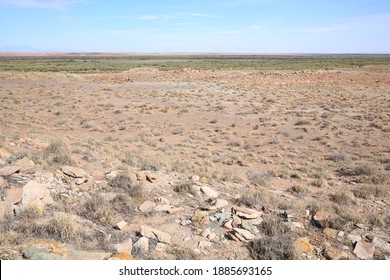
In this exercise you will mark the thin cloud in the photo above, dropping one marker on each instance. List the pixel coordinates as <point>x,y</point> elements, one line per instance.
<point>44,4</point>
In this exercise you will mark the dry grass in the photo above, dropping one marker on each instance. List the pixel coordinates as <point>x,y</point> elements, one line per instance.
<point>253,199</point>
<point>123,182</point>
<point>8,253</point>
<point>57,153</point>
<point>343,198</point>
<point>258,177</point>
<point>97,210</point>
<point>60,227</point>
<point>278,247</point>
<point>371,192</point>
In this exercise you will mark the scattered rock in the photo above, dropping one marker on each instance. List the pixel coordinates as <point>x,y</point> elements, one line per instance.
<point>155,234</point>
<point>26,165</point>
<point>209,192</point>
<point>246,213</point>
<point>14,195</point>
<point>161,248</point>
<point>123,257</point>
<point>201,217</point>
<point>33,191</point>
<point>330,233</point>
<point>204,244</point>
<point>125,247</point>
<point>332,253</point>
<point>4,154</point>
<point>142,245</point>
<point>219,203</point>
<point>302,246</point>
<point>243,234</point>
<point>141,176</point>
<point>8,170</point>
<point>74,172</point>
<point>364,250</point>
<point>382,245</point>
<point>111,175</point>
<point>147,206</point>
<point>120,225</point>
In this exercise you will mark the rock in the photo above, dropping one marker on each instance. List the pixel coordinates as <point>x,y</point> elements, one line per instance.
<point>2,182</point>
<point>295,226</point>
<point>219,203</point>
<point>302,246</point>
<point>14,195</point>
<point>97,175</point>
<point>111,175</point>
<point>141,176</point>
<point>8,170</point>
<point>26,165</point>
<point>74,172</point>
<point>162,201</point>
<point>204,244</point>
<point>364,250</point>
<point>175,210</point>
<point>211,236</point>
<point>354,238</point>
<point>155,234</point>
<point>142,245</point>
<point>228,224</point>
<point>195,178</point>
<point>205,232</point>
<point>322,218</point>
<point>47,199</point>
<point>332,253</point>
<point>33,191</point>
<point>163,208</point>
<point>125,247</point>
<point>330,233</point>
<point>161,248</point>
<point>246,234</point>
<point>253,229</point>
<point>151,178</point>
<point>382,245</point>
<point>147,206</point>
<point>120,225</point>
<point>5,207</point>
<point>209,192</point>
<point>220,217</point>
<point>201,217</point>
<point>256,222</point>
<point>246,213</point>
<point>185,222</point>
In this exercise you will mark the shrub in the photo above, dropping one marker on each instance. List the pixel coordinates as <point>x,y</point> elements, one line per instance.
<point>258,177</point>
<point>123,182</point>
<point>273,248</point>
<point>343,198</point>
<point>61,227</point>
<point>57,153</point>
<point>97,209</point>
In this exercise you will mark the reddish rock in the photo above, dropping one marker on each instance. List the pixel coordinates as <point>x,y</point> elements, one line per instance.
<point>74,172</point>
<point>151,178</point>
<point>364,250</point>
<point>33,191</point>
<point>14,195</point>
<point>120,225</point>
<point>141,176</point>
<point>147,206</point>
<point>5,207</point>
<point>26,165</point>
<point>8,170</point>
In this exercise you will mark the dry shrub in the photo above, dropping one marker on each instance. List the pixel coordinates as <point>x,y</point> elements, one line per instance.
<point>254,199</point>
<point>123,182</point>
<point>184,187</point>
<point>97,209</point>
<point>370,192</point>
<point>57,153</point>
<point>122,203</point>
<point>338,157</point>
<point>343,198</point>
<point>363,169</point>
<point>258,177</point>
<point>297,189</point>
<point>183,253</point>
<point>278,247</point>
<point>8,253</point>
<point>142,162</point>
<point>60,227</point>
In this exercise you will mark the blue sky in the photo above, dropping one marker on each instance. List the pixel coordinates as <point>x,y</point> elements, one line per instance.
<point>245,26</point>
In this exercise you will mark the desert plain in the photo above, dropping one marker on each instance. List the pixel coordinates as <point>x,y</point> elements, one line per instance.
<point>194,156</point>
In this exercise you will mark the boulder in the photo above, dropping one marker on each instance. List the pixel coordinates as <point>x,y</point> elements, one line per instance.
<point>382,245</point>
<point>364,250</point>
<point>26,165</point>
<point>332,253</point>
<point>33,191</point>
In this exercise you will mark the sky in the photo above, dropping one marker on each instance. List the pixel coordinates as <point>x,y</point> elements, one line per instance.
<point>230,26</point>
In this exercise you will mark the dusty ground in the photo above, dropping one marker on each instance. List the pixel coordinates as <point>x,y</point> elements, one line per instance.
<point>286,144</point>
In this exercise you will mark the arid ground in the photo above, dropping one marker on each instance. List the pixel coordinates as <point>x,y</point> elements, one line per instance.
<point>224,158</point>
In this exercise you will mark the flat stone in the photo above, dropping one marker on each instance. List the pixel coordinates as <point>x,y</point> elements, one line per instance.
<point>246,213</point>
<point>303,246</point>
<point>8,170</point>
<point>142,245</point>
<point>330,233</point>
<point>4,154</point>
<point>125,247</point>
<point>14,195</point>
<point>364,250</point>
<point>332,253</point>
<point>2,182</point>
<point>120,225</point>
<point>228,224</point>
<point>209,192</point>
<point>33,191</point>
<point>47,199</point>
<point>97,175</point>
<point>26,165</point>
<point>204,244</point>
<point>205,232</point>
<point>155,234</point>
<point>321,216</point>
<point>175,210</point>
<point>112,175</point>
<point>74,172</point>
<point>354,238</point>
<point>163,208</point>
<point>220,203</point>
<point>161,247</point>
<point>201,217</point>
<point>147,206</point>
<point>162,201</point>
<point>243,233</point>
<point>253,229</point>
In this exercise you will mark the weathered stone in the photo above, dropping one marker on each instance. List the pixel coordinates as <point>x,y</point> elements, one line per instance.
<point>147,206</point>
<point>151,178</point>
<point>253,229</point>
<point>354,238</point>
<point>185,222</point>
<point>209,192</point>
<point>246,213</point>
<point>97,175</point>
<point>120,225</point>
<point>243,233</point>
<point>381,244</point>
<point>2,182</point>
<point>228,224</point>
<point>205,232</point>
<point>141,176</point>
<point>123,256</point>
<point>161,248</point>
<point>364,250</point>
<point>321,216</point>
<point>8,170</point>
<point>332,253</point>
<point>14,195</point>
<point>4,154</point>
<point>175,210</point>
<point>111,175</point>
<point>155,234</point>
<point>295,226</point>
<point>302,246</point>
<point>26,165</point>
<point>47,199</point>
<point>124,247</point>
<point>74,172</point>
<point>330,233</point>
<point>200,217</point>
<point>33,191</point>
<point>142,245</point>
<point>219,203</point>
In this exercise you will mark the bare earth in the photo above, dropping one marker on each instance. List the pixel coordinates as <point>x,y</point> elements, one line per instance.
<point>286,147</point>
